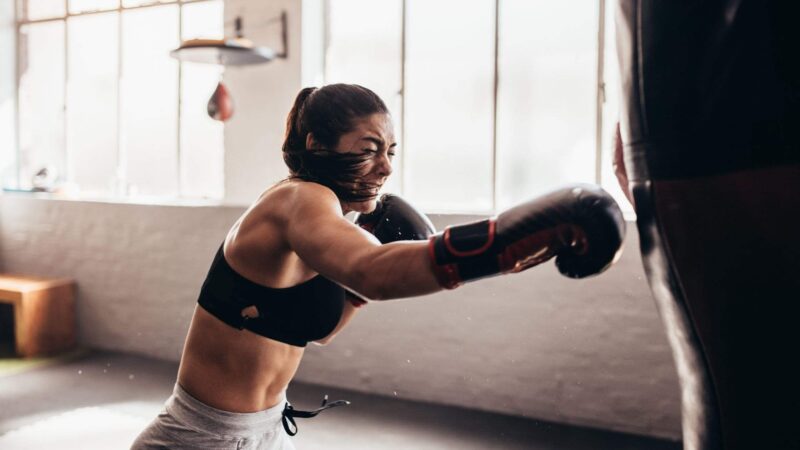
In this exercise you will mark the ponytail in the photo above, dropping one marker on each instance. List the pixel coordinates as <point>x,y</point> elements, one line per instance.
<point>295,139</point>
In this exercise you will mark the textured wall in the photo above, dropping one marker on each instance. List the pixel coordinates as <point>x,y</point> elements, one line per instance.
<point>138,268</point>
<point>589,352</point>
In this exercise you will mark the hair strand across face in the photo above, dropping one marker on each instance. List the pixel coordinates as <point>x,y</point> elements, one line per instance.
<point>327,114</point>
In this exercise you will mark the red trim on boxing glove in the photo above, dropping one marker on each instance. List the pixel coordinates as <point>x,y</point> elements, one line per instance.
<point>466,253</point>
<point>369,226</point>
<point>529,251</point>
<point>446,274</point>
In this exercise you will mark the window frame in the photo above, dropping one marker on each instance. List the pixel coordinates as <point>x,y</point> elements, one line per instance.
<point>600,96</point>
<point>120,166</point>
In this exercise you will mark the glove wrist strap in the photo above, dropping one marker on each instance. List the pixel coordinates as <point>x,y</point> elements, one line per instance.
<point>464,252</point>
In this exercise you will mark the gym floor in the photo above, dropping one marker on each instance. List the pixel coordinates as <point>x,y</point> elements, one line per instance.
<point>100,400</point>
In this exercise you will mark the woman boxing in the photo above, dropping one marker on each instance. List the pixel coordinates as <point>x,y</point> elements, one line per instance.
<point>278,280</point>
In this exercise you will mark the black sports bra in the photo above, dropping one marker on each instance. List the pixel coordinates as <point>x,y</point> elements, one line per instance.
<point>295,315</point>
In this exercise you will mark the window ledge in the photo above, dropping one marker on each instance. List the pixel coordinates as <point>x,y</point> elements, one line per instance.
<point>137,200</point>
<point>438,216</point>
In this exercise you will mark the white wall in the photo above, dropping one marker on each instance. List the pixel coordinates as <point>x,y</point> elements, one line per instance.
<point>590,352</point>
<point>262,95</point>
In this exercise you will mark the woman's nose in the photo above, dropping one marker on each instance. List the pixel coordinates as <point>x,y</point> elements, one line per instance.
<point>384,165</point>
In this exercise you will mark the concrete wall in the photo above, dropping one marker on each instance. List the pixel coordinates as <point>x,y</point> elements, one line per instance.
<point>588,352</point>
<point>536,344</point>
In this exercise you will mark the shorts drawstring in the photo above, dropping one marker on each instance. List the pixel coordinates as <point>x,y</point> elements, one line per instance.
<point>289,413</point>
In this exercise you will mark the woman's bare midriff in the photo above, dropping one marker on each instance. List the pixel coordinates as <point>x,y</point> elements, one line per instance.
<point>235,370</point>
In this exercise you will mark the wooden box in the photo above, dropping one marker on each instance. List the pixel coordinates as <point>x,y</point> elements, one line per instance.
<point>44,313</point>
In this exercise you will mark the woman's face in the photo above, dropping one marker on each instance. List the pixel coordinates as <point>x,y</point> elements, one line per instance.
<point>373,135</point>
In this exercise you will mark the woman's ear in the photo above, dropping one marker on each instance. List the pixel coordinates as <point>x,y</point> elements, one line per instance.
<point>311,143</point>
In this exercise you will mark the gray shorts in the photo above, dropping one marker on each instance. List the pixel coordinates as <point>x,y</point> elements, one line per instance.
<point>187,423</point>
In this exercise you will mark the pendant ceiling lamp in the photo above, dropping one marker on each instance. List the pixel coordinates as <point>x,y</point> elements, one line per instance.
<point>237,51</point>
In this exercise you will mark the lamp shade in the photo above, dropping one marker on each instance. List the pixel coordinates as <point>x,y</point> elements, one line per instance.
<point>227,52</point>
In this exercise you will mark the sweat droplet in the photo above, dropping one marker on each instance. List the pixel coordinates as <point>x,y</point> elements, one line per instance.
<point>395,392</point>
<point>80,372</point>
<point>130,377</point>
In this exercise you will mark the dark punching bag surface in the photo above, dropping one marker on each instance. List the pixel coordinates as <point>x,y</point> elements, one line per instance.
<point>708,87</point>
<point>710,122</point>
<point>220,105</point>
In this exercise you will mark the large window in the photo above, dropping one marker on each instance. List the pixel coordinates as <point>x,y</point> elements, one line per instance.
<point>365,47</point>
<point>103,107</point>
<point>495,101</point>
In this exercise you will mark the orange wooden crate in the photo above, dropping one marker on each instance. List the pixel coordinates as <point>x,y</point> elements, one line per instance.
<point>44,313</point>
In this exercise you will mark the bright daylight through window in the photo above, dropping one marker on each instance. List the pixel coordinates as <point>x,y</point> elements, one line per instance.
<point>102,108</point>
<point>494,101</point>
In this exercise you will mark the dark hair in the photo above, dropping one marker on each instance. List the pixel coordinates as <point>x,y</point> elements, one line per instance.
<point>328,113</point>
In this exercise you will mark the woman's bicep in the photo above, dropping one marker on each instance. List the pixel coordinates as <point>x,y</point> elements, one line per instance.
<point>343,252</point>
<point>327,242</point>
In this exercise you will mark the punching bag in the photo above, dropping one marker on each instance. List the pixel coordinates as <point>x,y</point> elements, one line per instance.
<point>711,145</point>
<point>220,105</point>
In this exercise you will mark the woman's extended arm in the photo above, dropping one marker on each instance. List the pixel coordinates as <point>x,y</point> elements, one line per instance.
<point>339,250</point>
<point>580,225</point>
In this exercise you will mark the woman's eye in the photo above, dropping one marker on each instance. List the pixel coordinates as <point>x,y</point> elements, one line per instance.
<point>370,150</point>
<point>391,154</point>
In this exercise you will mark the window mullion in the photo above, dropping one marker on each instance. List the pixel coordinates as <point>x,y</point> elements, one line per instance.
<point>120,178</point>
<point>496,80</point>
<point>600,99</point>
<point>17,76</point>
<point>178,117</point>
<point>326,38</point>
<point>403,28</point>
<point>64,150</point>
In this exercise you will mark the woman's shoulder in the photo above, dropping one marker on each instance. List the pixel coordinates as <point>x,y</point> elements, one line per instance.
<point>283,205</point>
<point>292,195</point>
<point>301,190</point>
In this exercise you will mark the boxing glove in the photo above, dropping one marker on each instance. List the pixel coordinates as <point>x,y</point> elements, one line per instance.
<point>394,219</point>
<point>581,225</point>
